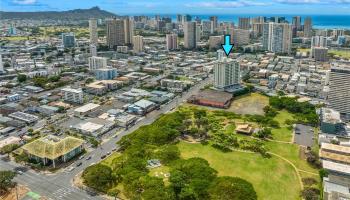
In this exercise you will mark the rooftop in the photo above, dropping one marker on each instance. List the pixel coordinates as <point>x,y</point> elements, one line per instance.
<point>213,95</point>
<point>337,167</point>
<point>334,147</point>
<point>87,107</point>
<point>330,116</point>
<point>52,147</point>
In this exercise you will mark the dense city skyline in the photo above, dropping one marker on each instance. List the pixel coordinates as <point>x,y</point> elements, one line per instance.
<point>328,7</point>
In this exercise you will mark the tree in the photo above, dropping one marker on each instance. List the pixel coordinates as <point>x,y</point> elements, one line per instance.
<point>168,153</point>
<point>323,173</point>
<point>232,188</point>
<point>6,178</point>
<point>310,193</point>
<point>113,192</point>
<point>89,80</point>
<point>21,78</point>
<point>98,177</point>
<point>7,149</point>
<point>194,173</point>
<point>7,65</point>
<point>263,133</point>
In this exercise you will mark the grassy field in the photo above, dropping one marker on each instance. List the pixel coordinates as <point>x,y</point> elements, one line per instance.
<point>272,178</point>
<point>109,160</point>
<point>341,53</point>
<point>303,50</point>
<point>290,152</point>
<point>16,38</point>
<point>283,133</point>
<point>249,104</point>
<point>160,173</point>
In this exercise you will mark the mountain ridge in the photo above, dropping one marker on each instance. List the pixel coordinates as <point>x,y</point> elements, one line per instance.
<point>76,14</point>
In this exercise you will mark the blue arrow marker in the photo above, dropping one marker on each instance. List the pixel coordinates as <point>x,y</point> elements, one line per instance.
<point>227,46</point>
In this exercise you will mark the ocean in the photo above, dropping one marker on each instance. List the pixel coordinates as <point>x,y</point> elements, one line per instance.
<point>319,21</point>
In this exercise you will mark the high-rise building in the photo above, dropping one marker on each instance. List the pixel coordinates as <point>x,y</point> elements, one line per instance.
<point>93,31</point>
<point>297,23</point>
<point>215,42</point>
<point>115,32</point>
<point>214,20</point>
<point>226,73</point>
<point>258,20</point>
<point>277,37</point>
<point>128,30</point>
<point>186,18</point>
<point>337,32</point>
<point>220,54</point>
<point>137,44</point>
<point>179,18</point>
<point>308,27</point>
<point>73,95</point>
<point>198,32</point>
<point>342,40</point>
<point>190,35</point>
<point>97,63</point>
<point>68,40</point>
<point>244,23</point>
<point>1,64</point>
<point>240,37</point>
<point>318,41</point>
<point>207,27</point>
<point>106,73</point>
<point>93,50</point>
<point>339,90</point>
<point>319,54</point>
<point>257,29</point>
<point>171,41</point>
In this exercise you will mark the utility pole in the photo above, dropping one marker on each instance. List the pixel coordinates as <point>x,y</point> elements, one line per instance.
<point>16,192</point>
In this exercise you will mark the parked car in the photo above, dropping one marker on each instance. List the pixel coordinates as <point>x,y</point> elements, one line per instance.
<point>79,164</point>
<point>88,158</point>
<point>103,157</point>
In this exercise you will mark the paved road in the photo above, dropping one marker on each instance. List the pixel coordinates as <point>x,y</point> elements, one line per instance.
<point>59,186</point>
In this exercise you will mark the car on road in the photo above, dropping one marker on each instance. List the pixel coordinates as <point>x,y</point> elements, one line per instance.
<point>108,153</point>
<point>103,156</point>
<point>79,164</point>
<point>20,172</point>
<point>114,149</point>
<point>88,158</point>
<point>70,169</point>
<point>81,157</point>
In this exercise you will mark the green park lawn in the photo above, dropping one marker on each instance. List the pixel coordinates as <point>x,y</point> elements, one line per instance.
<point>109,160</point>
<point>341,53</point>
<point>272,178</point>
<point>290,152</point>
<point>284,133</point>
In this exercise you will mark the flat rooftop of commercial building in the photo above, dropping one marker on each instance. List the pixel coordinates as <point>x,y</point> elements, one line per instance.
<point>9,140</point>
<point>24,116</point>
<point>87,107</point>
<point>88,126</point>
<point>334,147</point>
<point>330,116</point>
<point>214,95</point>
<point>337,167</point>
<point>68,89</point>
<point>144,103</point>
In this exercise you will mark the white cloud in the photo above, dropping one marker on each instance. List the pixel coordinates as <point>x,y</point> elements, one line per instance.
<point>24,2</point>
<point>225,4</point>
<point>300,1</point>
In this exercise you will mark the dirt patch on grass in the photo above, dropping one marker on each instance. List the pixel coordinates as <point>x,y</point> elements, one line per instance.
<point>253,103</point>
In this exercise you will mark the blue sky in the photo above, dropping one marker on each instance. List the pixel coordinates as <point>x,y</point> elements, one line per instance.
<point>303,7</point>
